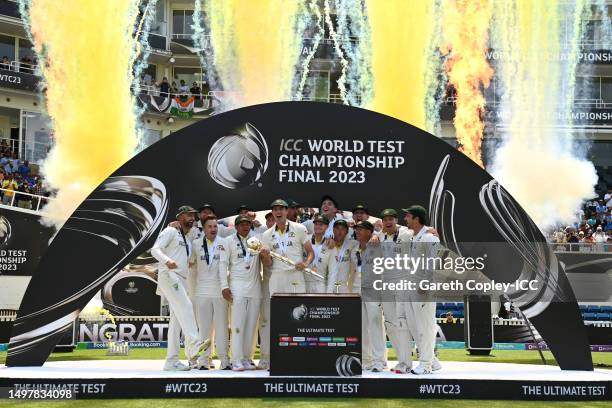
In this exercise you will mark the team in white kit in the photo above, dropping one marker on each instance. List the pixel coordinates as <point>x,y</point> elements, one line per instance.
<point>219,288</point>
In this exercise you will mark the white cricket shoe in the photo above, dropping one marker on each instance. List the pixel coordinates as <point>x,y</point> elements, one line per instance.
<point>225,365</point>
<point>263,365</point>
<point>248,365</point>
<point>422,368</point>
<point>401,368</point>
<point>237,366</point>
<point>435,366</point>
<point>377,368</point>
<point>176,366</point>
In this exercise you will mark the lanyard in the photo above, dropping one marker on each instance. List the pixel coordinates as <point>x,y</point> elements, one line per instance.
<point>211,258</point>
<point>282,244</point>
<point>317,248</point>
<point>185,241</point>
<point>246,256</point>
<point>342,250</point>
<point>394,236</point>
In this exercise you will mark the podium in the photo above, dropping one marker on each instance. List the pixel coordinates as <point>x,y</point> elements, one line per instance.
<point>315,335</point>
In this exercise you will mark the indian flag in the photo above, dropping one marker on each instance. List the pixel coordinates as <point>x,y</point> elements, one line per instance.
<point>182,108</point>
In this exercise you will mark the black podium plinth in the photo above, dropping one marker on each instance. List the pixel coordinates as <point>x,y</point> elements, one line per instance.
<point>315,334</point>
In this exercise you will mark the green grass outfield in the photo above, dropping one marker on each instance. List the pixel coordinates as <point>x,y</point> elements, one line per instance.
<point>602,360</point>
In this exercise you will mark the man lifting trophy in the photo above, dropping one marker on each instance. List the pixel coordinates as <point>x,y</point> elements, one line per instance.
<point>289,240</point>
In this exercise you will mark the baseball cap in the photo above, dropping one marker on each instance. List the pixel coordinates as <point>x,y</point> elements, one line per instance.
<point>418,211</point>
<point>388,212</point>
<point>205,206</point>
<point>185,209</point>
<point>365,224</point>
<point>242,218</point>
<point>320,218</point>
<point>244,207</point>
<point>292,203</point>
<point>362,208</point>
<point>279,202</point>
<point>342,223</point>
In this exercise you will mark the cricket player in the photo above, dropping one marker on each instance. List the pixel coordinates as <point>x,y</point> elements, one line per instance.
<point>360,213</point>
<point>264,320</point>
<point>269,220</point>
<point>292,210</point>
<point>420,312</point>
<point>374,342</point>
<point>207,210</point>
<point>211,309</point>
<point>243,290</point>
<point>329,209</point>
<point>257,228</point>
<point>172,249</point>
<point>395,241</point>
<point>288,239</point>
<point>322,255</point>
<point>342,260</point>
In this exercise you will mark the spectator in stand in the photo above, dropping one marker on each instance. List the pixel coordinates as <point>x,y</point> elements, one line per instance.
<point>183,88</point>
<point>26,65</point>
<point>164,88</point>
<point>591,205</point>
<point>449,317</point>
<point>38,190</point>
<point>173,89</point>
<point>599,236</point>
<point>4,147</point>
<point>24,169</point>
<point>572,238</point>
<point>9,185</point>
<point>592,220</point>
<point>6,63</point>
<point>196,91</point>
<point>6,165</point>
<point>24,200</point>
<point>608,227</point>
<point>601,207</point>
<point>14,163</point>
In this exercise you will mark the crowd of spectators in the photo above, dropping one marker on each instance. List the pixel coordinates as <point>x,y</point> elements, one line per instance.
<point>26,64</point>
<point>592,230</point>
<point>16,178</point>
<point>167,89</point>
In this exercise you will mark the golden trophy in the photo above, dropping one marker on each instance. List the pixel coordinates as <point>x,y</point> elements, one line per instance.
<point>255,245</point>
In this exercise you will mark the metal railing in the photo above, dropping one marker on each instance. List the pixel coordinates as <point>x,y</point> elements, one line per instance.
<point>155,91</point>
<point>14,197</point>
<point>17,66</point>
<point>590,247</point>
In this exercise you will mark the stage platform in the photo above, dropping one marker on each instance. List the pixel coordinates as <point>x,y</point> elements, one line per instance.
<point>474,380</point>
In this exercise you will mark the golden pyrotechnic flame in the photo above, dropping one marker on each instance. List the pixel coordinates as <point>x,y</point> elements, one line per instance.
<point>466,35</point>
<point>256,46</point>
<point>401,46</point>
<point>86,51</point>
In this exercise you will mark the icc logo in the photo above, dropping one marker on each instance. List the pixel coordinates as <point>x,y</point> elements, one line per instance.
<point>299,312</point>
<point>240,159</point>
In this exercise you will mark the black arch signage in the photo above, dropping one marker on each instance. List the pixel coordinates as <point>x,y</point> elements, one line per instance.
<point>299,150</point>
